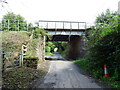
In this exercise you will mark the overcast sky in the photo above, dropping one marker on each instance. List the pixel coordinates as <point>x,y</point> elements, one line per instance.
<point>68,10</point>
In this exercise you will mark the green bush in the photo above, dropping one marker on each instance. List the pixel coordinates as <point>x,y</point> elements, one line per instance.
<point>47,49</point>
<point>83,63</point>
<point>38,32</point>
<point>30,62</point>
<point>104,43</point>
<point>103,46</point>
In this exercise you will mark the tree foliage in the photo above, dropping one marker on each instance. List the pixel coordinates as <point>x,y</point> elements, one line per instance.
<point>104,43</point>
<point>38,32</point>
<point>13,22</point>
<point>49,47</point>
<point>62,47</point>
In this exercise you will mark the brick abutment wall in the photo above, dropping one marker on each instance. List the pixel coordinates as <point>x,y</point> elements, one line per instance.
<point>40,52</point>
<point>76,48</point>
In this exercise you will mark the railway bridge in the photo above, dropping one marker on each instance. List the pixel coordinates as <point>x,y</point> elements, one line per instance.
<point>69,31</point>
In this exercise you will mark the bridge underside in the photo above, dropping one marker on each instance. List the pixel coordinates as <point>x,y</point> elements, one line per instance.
<point>62,37</point>
<point>64,34</point>
<point>75,46</point>
<point>74,38</point>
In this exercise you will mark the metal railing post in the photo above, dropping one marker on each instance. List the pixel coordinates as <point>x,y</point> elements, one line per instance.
<point>4,23</point>
<point>47,25</point>
<point>8,24</point>
<point>55,28</point>
<point>18,25</point>
<point>63,25</point>
<point>1,26</point>
<point>27,27</point>
<point>85,26</point>
<point>78,25</point>
<point>70,26</point>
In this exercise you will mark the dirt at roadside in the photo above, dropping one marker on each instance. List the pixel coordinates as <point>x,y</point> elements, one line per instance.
<point>44,66</point>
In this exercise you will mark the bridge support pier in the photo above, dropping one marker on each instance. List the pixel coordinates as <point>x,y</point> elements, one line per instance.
<point>76,45</point>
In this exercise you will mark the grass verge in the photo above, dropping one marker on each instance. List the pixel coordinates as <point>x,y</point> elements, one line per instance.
<point>84,64</point>
<point>48,54</point>
<point>20,77</point>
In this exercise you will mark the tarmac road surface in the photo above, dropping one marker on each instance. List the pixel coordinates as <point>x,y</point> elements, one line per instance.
<point>65,74</point>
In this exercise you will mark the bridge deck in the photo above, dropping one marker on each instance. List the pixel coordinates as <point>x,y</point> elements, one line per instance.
<point>62,25</point>
<point>77,30</point>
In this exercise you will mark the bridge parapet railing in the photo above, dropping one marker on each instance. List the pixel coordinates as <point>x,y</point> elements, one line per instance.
<point>62,25</point>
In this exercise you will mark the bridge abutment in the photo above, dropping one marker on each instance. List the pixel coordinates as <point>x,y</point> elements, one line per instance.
<point>75,50</point>
<point>69,32</point>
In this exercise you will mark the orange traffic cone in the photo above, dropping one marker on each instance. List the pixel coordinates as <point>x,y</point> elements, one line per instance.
<point>105,71</point>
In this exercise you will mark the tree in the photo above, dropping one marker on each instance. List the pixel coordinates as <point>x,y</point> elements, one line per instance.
<point>106,23</point>
<point>105,18</point>
<point>104,43</point>
<point>13,22</point>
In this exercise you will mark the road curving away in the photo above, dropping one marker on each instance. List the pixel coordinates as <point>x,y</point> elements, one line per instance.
<point>65,74</point>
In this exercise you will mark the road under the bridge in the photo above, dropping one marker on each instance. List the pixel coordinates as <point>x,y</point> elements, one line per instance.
<point>65,74</point>
<point>75,45</point>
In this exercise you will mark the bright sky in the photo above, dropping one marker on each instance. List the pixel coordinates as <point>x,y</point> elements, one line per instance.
<point>68,10</point>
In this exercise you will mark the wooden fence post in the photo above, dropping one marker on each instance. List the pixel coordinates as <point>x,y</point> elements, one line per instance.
<point>44,40</point>
<point>24,50</point>
<point>21,59</point>
<point>3,61</point>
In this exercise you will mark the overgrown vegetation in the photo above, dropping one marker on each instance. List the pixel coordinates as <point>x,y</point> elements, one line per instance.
<point>12,40</point>
<point>30,62</point>
<point>13,22</point>
<point>103,47</point>
<point>20,78</point>
<point>39,32</point>
<point>85,64</point>
<point>49,48</point>
<point>13,36</point>
<point>62,48</point>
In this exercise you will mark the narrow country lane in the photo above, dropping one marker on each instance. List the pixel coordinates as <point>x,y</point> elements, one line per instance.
<point>65,74</point>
